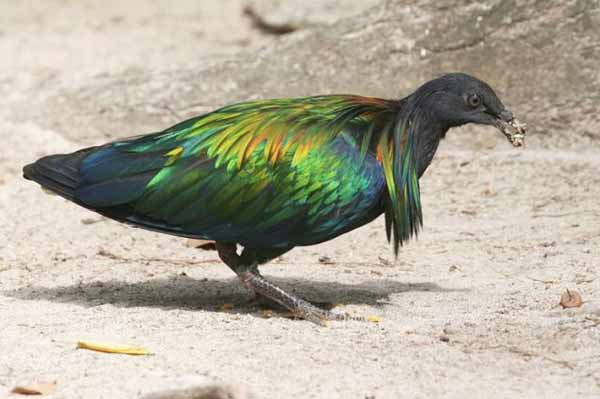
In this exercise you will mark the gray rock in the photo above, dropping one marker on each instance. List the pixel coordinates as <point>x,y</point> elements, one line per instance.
<point>204,392</point>
<point>541,56</point>
<point>309,13</point>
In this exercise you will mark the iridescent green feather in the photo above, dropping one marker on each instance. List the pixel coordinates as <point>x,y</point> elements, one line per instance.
<point>403,211</point>
<point>219,168</point>
<point>231,134</point>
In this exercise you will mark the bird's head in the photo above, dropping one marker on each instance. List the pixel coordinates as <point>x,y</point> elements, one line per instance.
<point>456,99</point>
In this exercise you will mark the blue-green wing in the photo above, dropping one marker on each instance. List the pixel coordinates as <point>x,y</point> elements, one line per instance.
<point>265,174</point>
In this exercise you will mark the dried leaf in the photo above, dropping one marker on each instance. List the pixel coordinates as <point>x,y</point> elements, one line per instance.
<point>571,299</point>
<point>108,348</point>
<point>44,388</point>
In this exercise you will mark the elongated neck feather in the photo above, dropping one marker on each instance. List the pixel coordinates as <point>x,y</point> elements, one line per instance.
<point>405,147</point>
<point>427,138</point>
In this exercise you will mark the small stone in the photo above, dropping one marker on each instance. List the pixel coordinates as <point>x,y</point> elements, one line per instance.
<point>326,260</point>
<point>90,220</point>
<point>489,192</point>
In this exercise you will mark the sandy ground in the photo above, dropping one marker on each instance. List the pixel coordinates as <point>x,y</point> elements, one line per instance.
<point>470,310</point>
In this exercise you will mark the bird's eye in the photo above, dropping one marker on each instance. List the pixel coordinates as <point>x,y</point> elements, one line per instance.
<point>474,101</point>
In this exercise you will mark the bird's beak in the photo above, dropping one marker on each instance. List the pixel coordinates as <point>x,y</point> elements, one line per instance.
<point>511,128</point>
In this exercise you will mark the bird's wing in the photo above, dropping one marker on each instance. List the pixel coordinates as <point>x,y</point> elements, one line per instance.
<point>270,172</point>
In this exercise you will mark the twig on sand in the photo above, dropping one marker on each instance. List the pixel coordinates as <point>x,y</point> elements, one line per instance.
<point>552,281</point>
<point>110,255</point>
<point>561,215</point>
<point>529,354</point>
<point>107,254</point>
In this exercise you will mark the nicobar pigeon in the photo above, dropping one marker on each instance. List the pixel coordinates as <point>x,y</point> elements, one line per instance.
<point>270,175</point>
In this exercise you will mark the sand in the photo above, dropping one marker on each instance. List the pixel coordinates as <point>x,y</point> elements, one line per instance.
<point>469,310</point>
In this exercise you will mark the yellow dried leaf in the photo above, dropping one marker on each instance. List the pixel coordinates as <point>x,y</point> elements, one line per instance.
<point>108,348</point>
<point>44,388</point>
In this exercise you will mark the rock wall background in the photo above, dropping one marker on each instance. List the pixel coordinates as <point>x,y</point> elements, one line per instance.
<point>541,56</point>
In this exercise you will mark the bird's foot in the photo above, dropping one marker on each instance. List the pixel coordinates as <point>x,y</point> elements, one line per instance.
<point>246,267</point>
<point>264,303</point>
<point>307,311</point>
<point>298,308</point>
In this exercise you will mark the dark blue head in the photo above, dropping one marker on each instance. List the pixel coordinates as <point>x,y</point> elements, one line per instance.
<point>456,99</point>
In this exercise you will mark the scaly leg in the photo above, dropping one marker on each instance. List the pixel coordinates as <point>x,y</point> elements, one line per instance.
<point>246,267</point>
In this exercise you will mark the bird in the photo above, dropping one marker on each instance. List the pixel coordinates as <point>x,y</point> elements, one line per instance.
<point>264,176</point>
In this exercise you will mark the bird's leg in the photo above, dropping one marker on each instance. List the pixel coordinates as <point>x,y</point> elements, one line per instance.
<point>229,256</point>
<point>246,267</point>
<point>299,307</point>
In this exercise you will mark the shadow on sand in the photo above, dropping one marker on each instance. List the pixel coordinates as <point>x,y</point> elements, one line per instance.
<point>182,292</point>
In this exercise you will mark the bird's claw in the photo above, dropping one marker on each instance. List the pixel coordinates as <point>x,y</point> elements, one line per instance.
<point>323,317</point>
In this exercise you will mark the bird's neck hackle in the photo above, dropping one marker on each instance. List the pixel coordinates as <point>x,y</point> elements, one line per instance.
<point>405,147</point>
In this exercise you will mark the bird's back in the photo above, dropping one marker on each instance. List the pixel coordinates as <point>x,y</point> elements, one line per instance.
<point>276,173</point>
